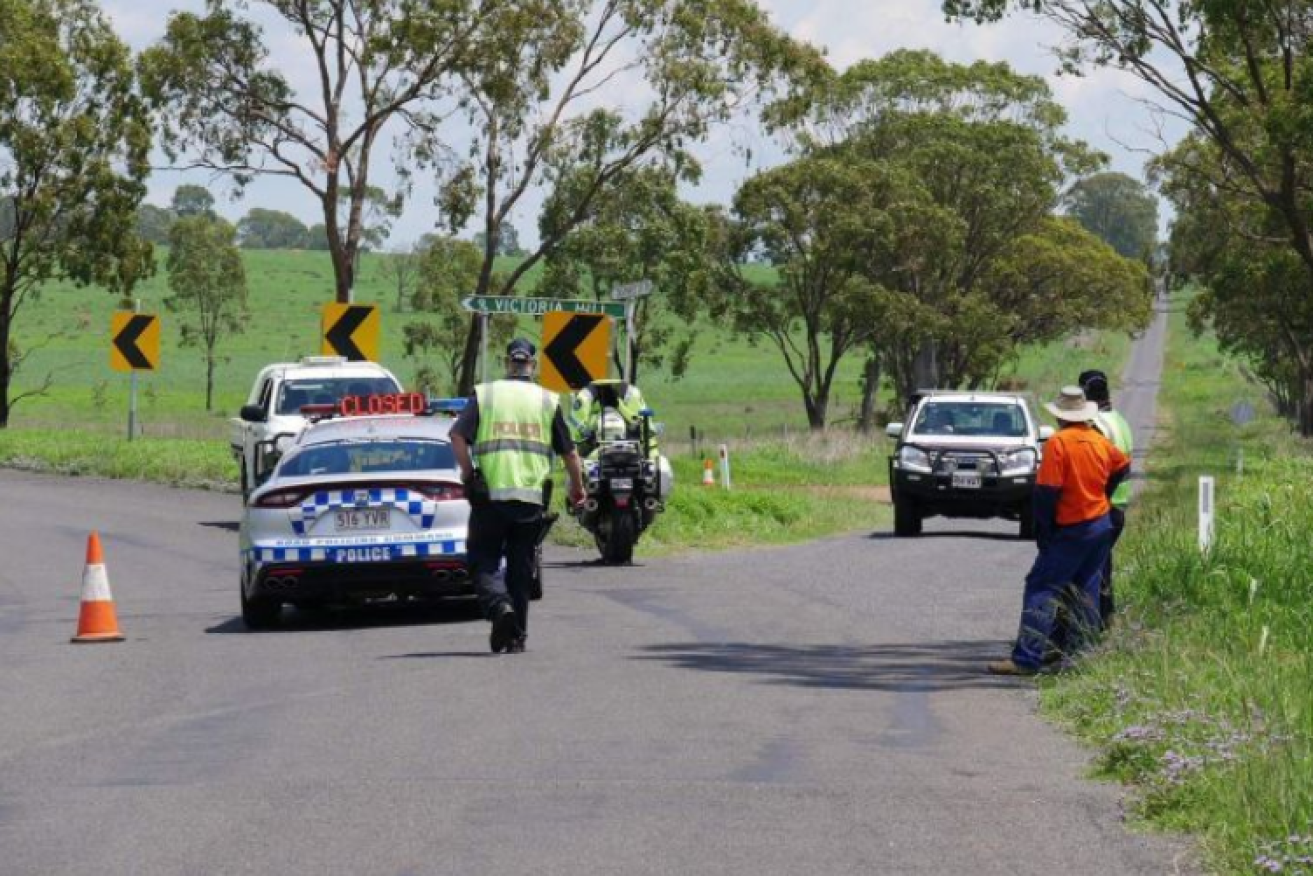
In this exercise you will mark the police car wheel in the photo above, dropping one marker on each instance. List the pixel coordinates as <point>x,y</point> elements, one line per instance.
<point>260,614</point>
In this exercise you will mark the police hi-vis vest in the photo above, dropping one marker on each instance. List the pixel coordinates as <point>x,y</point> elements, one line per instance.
<point>1115,428</point>
<point>514,441</point>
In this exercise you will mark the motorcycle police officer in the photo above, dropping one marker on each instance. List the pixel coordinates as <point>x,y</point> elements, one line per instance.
<point>511,428</point>
<point>589,403</point>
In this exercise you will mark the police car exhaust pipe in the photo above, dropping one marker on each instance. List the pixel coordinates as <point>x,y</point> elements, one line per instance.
<point>442,574</point>
<point>590,505</point>
<point>651,504</point>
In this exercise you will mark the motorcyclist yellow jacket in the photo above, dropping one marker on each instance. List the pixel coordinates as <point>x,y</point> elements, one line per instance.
<point>586,413</point>
<point>513,445</point>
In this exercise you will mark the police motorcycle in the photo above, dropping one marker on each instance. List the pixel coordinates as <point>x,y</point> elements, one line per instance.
<point>626,484</point>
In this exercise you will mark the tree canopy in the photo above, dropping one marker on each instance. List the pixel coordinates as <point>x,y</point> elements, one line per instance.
<point>958,262</point>
<point>1120,210</point>
<point>74,141</point>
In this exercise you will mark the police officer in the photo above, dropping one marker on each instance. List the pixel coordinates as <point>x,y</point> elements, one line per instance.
<point>1114,427</point>
<point>586,413</point>
<point>1080,470</point>
<point>511,428</point>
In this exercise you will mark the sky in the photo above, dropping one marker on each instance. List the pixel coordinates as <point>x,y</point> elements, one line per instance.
<point>1105,108</point>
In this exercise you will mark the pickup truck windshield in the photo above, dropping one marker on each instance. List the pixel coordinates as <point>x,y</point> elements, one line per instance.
<point>984,419</point>
<point>367,457</point>
<point>328,390</point>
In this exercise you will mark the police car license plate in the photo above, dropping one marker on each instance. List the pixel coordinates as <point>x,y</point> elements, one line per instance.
<point>363,519</point>
<point>966,480</point>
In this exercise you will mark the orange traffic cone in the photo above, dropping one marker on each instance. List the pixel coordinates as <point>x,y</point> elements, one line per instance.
<point>96,620</point>
<point>708,474</point>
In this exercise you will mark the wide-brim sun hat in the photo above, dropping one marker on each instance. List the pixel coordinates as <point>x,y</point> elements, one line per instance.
<point>1072,406</point>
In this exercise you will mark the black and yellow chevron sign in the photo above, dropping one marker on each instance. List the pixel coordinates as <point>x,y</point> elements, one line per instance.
<point>351,330</point>
<point>134,341</point>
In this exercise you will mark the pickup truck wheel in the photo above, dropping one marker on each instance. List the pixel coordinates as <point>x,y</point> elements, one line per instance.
<point>907,518</point>
<point>1027,528</point>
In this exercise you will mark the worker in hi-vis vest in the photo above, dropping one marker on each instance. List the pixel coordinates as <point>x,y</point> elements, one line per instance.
<point>505,441</point>
<point>1115,428</point>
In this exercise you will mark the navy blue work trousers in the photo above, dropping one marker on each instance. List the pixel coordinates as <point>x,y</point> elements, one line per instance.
<point>509,530</point>
<point>1069,572</point>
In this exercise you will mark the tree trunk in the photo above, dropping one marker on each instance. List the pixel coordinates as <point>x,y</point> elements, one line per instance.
<point>870,391</point>
<point>816,410</point>
<point>925,370</point>
<point>209,382</point>
<point>6,367</point>
<point>1306,403</point>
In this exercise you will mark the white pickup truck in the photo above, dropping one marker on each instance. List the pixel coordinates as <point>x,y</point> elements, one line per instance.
<point>271,418</point>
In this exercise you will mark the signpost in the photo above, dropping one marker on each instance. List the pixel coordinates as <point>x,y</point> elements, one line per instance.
<point>134,345</point>
<point>629,293</point>
<point>351,330</point>
<point>493,304</point>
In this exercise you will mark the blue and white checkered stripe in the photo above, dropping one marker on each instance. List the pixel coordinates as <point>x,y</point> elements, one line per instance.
<point>420,508</point>
<point>324,554</point>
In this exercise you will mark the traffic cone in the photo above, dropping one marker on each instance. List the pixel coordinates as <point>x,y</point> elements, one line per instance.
<point>708,474</point>
<point>96,620</point>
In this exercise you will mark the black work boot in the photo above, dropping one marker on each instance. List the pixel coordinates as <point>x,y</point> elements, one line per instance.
<point>505,629</point>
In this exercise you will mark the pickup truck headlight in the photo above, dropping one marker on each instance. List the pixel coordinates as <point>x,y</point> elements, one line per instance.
<point>1019,462</point>
<point>913,459</point>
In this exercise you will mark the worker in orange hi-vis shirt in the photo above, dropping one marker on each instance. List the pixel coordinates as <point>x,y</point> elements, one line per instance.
<point>1080,471</point>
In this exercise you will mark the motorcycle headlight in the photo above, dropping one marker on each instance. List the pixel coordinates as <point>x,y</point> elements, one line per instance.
<point>1019,462</point>
<point>913,458</point>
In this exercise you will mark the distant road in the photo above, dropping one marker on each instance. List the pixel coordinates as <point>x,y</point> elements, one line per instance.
<point>801,711</point>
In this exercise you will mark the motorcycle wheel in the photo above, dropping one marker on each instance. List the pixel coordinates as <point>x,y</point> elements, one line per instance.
<point>616,537</point>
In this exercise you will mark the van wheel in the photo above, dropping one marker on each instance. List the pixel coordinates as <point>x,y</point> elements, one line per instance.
<point>907,518</point>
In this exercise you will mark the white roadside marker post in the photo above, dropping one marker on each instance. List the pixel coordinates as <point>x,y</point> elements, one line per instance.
<point>724,467</point>
<point>1207,508</point>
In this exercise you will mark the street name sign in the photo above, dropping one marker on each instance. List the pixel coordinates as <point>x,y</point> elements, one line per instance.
<point>629,291</point>
<point>494,304</point>
<point>134,341</point>
<point>576,350</point>
<point>351,330</point>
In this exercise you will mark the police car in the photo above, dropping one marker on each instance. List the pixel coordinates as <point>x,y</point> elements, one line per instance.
<point>365,505</point>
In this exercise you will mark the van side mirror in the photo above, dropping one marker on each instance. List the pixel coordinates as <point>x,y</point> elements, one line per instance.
<point>894,430</point>
<point>253,414</point>
<point>1045,433</point>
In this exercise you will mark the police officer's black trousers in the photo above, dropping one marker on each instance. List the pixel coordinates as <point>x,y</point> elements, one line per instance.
<point>1107,602</point>
<point>509,530</point>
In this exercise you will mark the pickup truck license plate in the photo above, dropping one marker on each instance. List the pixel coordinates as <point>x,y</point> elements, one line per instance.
<point>966,480</point>
<point>363,519</point>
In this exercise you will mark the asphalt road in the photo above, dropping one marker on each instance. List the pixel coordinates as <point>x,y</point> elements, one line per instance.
<point>813,710</point>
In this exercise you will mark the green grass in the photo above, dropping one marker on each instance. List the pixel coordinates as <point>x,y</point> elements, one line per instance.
<point>789,484</point>
<point>1202,698</point>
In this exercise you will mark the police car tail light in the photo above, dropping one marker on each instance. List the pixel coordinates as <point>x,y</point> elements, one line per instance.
<point>440,492</point>
<point>281,499</point>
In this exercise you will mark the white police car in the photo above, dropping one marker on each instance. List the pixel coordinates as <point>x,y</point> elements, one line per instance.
<point>365,505</point>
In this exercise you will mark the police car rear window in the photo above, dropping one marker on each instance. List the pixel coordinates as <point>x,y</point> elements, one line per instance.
<point>368,457</point>
<point>329,390</point>
<point>984,419</point>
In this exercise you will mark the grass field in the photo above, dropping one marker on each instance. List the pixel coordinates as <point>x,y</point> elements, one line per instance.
<point>790,485</point>
<point>1202,698</point>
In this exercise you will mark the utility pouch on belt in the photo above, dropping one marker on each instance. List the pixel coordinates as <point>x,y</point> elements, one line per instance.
<point>476,490</point>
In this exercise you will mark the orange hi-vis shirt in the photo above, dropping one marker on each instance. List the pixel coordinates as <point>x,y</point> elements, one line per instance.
<point>1079,462</point>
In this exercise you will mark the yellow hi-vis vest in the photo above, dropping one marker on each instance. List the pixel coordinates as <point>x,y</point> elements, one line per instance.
<point>1115,428</point>
<point>514,442</point>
